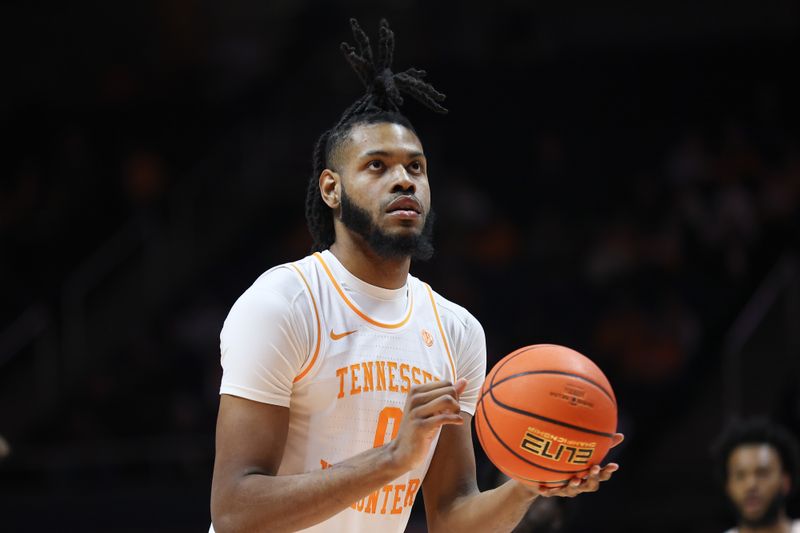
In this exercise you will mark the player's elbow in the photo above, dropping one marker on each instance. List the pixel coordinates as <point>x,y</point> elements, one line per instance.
<point>231,512</point>
<point>439,524</point>
<point>222,524</point>
<point>223,515</point>
<point>226,520</point>
<point>437,520</point>
<point>446,514</point>
<point>221,519</point>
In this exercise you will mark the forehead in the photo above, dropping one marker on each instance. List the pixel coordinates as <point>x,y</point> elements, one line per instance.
<point>382,136</point>
<point>749,456</point>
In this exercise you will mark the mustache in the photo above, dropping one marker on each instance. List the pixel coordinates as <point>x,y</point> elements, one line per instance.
<point>397,196</point>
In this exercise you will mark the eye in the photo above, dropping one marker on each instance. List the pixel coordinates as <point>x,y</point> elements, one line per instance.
<point>415,166</point>
<point>375,165</point>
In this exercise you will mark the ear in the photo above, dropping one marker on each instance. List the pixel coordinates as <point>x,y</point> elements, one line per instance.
<point>329,187</point>
<point>786,483</point>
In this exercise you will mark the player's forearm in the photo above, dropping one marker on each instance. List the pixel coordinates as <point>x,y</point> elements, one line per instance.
<point>258,502</point>
<point>497,510</point>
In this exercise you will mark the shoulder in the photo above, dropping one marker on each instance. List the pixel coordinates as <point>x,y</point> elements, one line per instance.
<point>455,318</point>
<point>463,331</point>
<point>286,281</point>
<point>278,291</point>
<point>267,337</point>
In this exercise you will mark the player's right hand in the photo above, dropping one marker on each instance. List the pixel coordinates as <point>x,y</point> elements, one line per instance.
<point>428,407</point>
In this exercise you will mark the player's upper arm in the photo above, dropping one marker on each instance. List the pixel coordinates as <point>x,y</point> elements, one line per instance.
<point>250,440</point>
<point>451,474</point>
<point>265,344</point>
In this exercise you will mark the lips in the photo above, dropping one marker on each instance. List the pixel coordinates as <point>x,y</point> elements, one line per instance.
<point>404,203</point>
<point>752,501</point>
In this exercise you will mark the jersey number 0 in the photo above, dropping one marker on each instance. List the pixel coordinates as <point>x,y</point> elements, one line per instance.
<point>393,414</point>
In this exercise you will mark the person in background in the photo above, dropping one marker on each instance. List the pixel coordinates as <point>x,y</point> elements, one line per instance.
<point>757,462</point>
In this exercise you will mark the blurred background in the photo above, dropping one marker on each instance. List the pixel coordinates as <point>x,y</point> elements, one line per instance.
<point>620,178</point>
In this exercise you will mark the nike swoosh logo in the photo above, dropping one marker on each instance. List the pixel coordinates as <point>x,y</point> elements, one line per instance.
<point>337,336</point>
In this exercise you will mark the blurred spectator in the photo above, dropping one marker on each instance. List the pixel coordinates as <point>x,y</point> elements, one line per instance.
<point>757,463</point>
<point>5,448</point>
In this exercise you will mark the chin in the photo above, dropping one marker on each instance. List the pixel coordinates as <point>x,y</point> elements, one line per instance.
<point>408,223</point>
<point>404,231</point>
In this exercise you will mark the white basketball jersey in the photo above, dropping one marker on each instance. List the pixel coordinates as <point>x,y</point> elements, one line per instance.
<point>351,394</point>
<point>298,338</point>
<point>795,528</point>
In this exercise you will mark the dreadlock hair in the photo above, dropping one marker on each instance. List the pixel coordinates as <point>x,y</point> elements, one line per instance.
<point>380,103</point>
<point>757,431</point>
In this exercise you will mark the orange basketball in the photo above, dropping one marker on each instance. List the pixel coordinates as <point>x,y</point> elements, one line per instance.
<point>546,414</point>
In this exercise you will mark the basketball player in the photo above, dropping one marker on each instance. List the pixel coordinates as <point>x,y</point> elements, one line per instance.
<point>757,463</point>
<point>348,384</point>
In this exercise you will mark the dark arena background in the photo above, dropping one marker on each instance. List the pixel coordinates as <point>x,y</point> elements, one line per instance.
<point>619,177</point>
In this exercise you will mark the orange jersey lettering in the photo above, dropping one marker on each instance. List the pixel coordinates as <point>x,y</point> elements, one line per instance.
<point>380,366</point>
<point>368,381</point>
<point>369,376</point>
<point>354,368</point>
<point>404,368</point>
<point>341,372</point>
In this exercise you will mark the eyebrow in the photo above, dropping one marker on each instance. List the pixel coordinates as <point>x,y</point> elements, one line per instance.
<point>384,153</point>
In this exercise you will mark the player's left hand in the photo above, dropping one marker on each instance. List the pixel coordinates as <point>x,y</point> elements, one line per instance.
<point>589,483</point>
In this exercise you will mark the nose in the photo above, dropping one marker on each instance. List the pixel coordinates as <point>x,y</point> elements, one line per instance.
<point>751,482</point>
<point>402,180</point>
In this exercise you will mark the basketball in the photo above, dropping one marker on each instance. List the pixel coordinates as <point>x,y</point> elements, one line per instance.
<point>546,414</point>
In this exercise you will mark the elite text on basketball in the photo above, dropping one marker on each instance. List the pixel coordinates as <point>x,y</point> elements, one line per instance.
<point>554,447</point>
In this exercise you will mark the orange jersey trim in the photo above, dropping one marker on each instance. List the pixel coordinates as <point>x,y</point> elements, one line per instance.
<point>441,330</point>
<point>319,328</point>
<point>356,310</point>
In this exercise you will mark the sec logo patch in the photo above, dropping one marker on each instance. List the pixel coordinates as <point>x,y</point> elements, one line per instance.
<point>427,338</point>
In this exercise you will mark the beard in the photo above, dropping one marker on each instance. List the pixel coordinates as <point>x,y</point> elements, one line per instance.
<point>417,246</point>
<point>769,517</point>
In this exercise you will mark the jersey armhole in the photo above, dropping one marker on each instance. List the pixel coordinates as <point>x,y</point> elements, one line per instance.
<point>441,332</point>
<point>313,359</point>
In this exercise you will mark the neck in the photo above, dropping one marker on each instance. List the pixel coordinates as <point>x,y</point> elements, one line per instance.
<point>364,264</point>
<point>781,525</point>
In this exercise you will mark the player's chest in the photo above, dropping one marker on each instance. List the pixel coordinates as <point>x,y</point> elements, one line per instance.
<point>358,363</point>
